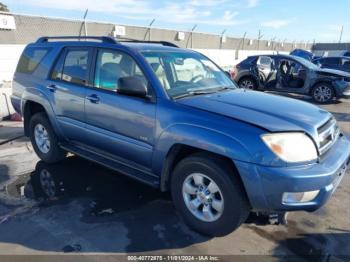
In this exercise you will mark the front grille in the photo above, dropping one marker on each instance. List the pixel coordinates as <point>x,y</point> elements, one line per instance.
<point>328,134</point>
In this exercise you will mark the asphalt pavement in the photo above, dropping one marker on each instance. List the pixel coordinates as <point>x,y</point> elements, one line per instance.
<point>77,207</point>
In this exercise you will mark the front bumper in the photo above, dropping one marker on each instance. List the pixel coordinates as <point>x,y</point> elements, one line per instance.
<point>342,88</point>
<point>346,92</point>
<point>265,186</point>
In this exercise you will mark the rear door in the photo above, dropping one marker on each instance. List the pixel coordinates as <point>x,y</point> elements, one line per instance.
<point>266,71</point>
<point>67,83</point>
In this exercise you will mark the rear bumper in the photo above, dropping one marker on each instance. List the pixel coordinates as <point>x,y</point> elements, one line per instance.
<point>16,103</point>
<point>265,186</point>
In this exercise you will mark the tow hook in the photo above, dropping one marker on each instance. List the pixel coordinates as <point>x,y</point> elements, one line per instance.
<point>278,218</point>
<point>275,218</point>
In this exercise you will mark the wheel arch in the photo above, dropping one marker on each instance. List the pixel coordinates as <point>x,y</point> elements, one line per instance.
<point>29,109</point>
<point>179,152</point>
<point>321,81</point>
<point>249,76</point>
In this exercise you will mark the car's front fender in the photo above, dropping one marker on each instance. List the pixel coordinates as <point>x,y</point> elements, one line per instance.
<point>198,137</point>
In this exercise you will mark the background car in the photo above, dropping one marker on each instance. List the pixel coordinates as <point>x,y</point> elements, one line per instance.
<point>336,62</point>
<point>303,54</point>
<point>287,73</point>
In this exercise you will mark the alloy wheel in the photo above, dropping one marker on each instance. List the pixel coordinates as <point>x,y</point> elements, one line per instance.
<point>203,197</point>
<point>247,84</point>
<point>323,93</point>
<point>42,138</point>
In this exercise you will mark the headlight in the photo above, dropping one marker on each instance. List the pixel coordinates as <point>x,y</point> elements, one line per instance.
<point>291,147</point>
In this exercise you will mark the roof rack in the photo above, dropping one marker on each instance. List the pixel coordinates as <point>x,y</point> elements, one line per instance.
<point>165,43</point>
<point>104,39</point>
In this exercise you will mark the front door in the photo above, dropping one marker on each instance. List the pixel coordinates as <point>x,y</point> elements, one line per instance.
<point>118,125</point>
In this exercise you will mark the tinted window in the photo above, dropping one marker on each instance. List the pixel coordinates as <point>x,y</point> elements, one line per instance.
<point>75,66</point>
<point>30,59</point>
<point>111,66</point>
<point>57,70</point>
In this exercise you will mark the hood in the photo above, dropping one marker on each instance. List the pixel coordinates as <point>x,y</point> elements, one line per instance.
<point>271,112</point>
<point>333,72</point>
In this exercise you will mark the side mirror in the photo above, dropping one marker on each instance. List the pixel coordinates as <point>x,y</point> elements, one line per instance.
<point>132,86</point>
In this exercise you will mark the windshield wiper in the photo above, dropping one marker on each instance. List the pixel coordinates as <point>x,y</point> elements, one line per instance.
<point>193,93</point>
<point>203,91</point>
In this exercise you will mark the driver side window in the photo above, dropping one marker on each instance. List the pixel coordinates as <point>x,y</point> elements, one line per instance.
<point>112,65</point>
<point>190,69</point>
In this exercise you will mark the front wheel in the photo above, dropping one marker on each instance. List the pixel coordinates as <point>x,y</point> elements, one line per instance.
<point>322,93</point>
<point>209,195</point>
<point>44,139</point>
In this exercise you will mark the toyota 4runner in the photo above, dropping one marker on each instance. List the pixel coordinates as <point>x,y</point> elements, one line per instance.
<point>171,118</point>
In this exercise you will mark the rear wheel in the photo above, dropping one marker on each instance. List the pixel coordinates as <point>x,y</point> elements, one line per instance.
<point>208,195</point>
<point>323,93</point>
<point>44,140</point>
<point>247,83</point>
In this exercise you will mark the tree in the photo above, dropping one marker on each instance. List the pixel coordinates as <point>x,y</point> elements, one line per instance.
<point>3,7</point>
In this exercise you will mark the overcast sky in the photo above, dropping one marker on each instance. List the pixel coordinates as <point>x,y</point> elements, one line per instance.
<point>300,20</point>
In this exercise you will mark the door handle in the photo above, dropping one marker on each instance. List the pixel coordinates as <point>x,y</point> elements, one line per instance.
<point>52,87</point>
<point>93,98</point>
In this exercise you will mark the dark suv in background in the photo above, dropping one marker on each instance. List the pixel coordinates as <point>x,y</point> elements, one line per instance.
<point>292,74</point>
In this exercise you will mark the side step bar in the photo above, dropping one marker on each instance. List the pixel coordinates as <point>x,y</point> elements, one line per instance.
<point>114,165</point>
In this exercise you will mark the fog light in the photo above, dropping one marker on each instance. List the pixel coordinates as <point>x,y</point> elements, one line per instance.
<point>299,197</point>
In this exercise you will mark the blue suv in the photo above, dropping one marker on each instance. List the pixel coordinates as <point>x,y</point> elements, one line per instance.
<point>171,118</point>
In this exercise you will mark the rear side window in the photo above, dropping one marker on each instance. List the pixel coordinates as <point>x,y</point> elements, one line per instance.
<point>31,58</point>
<point>72,66</point>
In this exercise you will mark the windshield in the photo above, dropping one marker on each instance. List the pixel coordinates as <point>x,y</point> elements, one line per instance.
<point>306,63</point>
<point>183,73</point>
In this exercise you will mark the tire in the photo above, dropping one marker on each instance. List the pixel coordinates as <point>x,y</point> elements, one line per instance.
<point>322,93</point>
<point>229,192</point>
<point>247,83</point>
<point>49,152</point>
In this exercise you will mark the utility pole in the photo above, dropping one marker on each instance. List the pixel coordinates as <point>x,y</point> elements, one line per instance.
<point>222,38</point>
<point>193,28</point>
<point>341,33</point>
<point>148,31</point>
<point>260,36</point>
<point>85,15</point>
<point>84,24</point>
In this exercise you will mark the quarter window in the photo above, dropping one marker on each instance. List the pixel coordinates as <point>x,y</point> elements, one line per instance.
<point>30,59</point>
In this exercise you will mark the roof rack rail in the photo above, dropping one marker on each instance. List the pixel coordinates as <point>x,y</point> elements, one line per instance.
<point>105,39</point>
<point>165,43</point>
